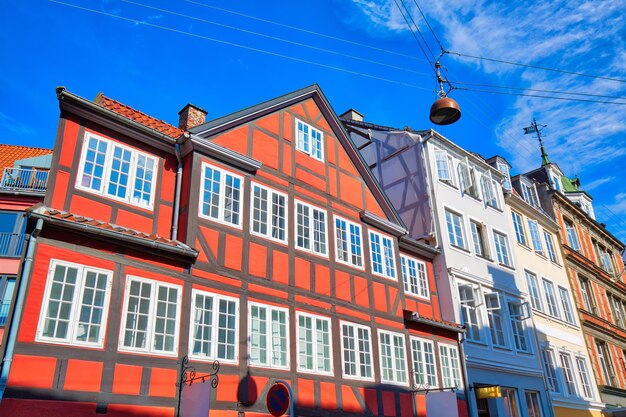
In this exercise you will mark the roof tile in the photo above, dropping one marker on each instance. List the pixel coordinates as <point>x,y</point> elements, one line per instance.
<point>11,153</point>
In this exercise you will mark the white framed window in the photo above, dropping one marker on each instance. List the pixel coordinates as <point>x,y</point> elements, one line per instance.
<point>572,236</point>
<point>489,191</point>
<point>481,244</point>
<point>393,367</point>
<point>349,245</point>
<point>309,140</point>
<point>269,213</point>
<point>533,290</point>
<point>616,310</point>
<point>150,317</point>
<point>311,228</point>
<point>550,369</point>
<point>454,223</point>
<point>494,314</point>
<point>548,289</point>
<point>568,374</point>
<point>213,327</point>
<point>415,276</point>
<point>520,234</point>
<point>550,247</point>
<point>220,195</point>
<point>504,168</point>
<point>268,328</point>
<point>467,179</point>
<point>566,303</point>
<point>605,364</point>
<point>585,378</point>
<point>529,193</point>
<point>535,236</point>
<point>356,346</point>
<point>75,305</point>
<point>511,407</point>
<point>444,164</point>
<point>117,171</point>
<point>450,366</point>
<point>587,294</point>
<point>556,183</point>
<point>502,248</point>
<point>314,344</point>
<point>423,353</point>
<point>518,314</point>
<point>470,314</point>
<point>533,403</point>
<point>607,263</point>
<point>382,255</point>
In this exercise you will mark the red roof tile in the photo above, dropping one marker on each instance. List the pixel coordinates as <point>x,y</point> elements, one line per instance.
<point>107,226</point>
<point>137,116</point>
<point>11,153</point>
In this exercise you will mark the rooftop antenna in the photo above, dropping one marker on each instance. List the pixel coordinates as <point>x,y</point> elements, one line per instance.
<point>445,110</point>
<point>535,128</point>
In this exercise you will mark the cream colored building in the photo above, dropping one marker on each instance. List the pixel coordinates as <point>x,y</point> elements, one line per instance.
<point>537,248</point>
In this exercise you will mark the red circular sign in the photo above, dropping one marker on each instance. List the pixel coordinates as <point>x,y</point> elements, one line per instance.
<point>277,400</point>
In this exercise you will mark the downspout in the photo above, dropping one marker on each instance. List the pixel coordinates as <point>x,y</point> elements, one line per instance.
<point>543,371</point>
<point>460,343</point>
<point>19,307</point>
<point>179,179</point>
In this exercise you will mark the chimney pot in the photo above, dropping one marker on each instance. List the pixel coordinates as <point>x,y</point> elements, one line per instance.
<point>191,116</point>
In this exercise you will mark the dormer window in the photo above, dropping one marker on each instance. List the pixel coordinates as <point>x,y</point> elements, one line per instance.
<point>504,168</point>
<point>529,193</point>
<point>556,183</point>
<point>309,140</point>
<point>116,171</point>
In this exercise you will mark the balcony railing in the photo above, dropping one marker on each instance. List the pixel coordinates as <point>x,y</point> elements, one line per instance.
<point>11,244</point>
<point>20,179</point>
<point>4,312</point>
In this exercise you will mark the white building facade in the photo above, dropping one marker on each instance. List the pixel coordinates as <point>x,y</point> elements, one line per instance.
<point>453,198</point>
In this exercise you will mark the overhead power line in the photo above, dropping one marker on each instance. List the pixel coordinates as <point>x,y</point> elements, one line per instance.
<point>304,45</point>
<point>569,93</point>
<point>310,32</point>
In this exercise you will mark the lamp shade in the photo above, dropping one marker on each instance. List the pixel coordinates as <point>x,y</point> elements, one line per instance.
<point>445,111</point>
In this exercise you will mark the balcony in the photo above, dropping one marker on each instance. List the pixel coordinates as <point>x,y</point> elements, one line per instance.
<point>11,244</point>
<point>24,179</point>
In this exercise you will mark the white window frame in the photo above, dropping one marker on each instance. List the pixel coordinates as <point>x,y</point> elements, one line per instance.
<point>309,140</point>
<point>529,194</point>
<point>397,348</point>
<point>533,290</point>
<point>215,328</point>
<point>415,276</point>
<point>450,365</point>
<point>150,330</point>
<point>358,354</point>
<point>535,236</point>
<point>382,246</point>
<point>550,247</point>
<point>76,304</point>
<point>518,225</point>
<point>350,241</point>
<point>566,303</point>
<point>271,213</point>
<point>224,177</point>
<point>606,260</point>
<point>572,235</point>
<point>550,294</point>
<point>604,358</point>
<point>490,192</point>
<point>506,257</point>
<point>269,344</point>
<point>425,360</point>
<point>533,403</point>
<point>549,365</point>
<point>495,316</point>
<point>444,166</point>
<point>585,378</point>
<point>316,354</point>
<point>105,180</point>
<point>480,238</point>
<point>451,227</point>
<point>504,169</point>
<point>567,371</point>
<point>317,238</point>
<point>586,292</point>
<point>473,321</point>
<point>467,179</point>
<point>519,331</point>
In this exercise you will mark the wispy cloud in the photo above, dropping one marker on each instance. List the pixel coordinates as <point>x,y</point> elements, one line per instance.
<point>596,183</point>
<point>13,126</point>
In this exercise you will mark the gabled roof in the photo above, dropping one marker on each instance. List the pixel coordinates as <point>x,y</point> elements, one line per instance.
<point>11,153</point>
<point>100,228</point>
<point>138,116</point>
<point>216,126</point>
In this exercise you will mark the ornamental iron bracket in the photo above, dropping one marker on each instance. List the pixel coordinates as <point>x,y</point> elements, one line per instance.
<point>188,375</point>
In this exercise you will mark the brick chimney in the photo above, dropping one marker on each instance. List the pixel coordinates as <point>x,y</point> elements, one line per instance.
<point>352,114</point>
<point>191,116</point>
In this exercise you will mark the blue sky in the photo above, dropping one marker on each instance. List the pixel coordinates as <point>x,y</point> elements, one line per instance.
<point>158,55</point>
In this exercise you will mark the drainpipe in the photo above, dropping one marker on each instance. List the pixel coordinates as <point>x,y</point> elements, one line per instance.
<point>460,343</point>
<point>19,306</point>
<point>543,371</point>
<point>179,179</point>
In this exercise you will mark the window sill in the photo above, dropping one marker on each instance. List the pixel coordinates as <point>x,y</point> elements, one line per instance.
<point>484,258</point>
<point>460,248</point>
<point>449,184</point>
<point>512,268</point>
<point>524,246</point>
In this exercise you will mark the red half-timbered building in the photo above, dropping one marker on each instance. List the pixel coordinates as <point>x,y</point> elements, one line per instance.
<point>260,240</point>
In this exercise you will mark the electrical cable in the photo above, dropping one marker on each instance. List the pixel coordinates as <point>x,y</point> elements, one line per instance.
<point>536,67</point>
<point>415,37</point>
<point>541,96</point>
<point>335,38</point>
<point>408,12</point>
<point>429,27</point>
<point>273,37</point>
<point>540,90</point>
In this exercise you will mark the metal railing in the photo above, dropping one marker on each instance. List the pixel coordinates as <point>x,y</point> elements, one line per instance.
<point>20,179</point>
<point>11,244</point>
<point>4,312</point>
